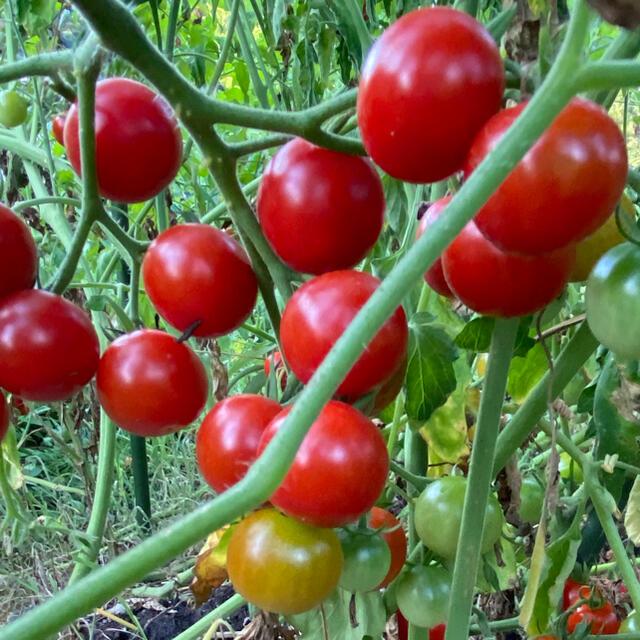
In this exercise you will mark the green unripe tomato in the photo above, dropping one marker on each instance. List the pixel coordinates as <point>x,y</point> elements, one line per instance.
<point>565,468</point>
<point>531,499</point>
<point>13,108</point>
<point>631,624</point>
<point>422,594</point>
<point>367,559</point>
<point>438,515</point>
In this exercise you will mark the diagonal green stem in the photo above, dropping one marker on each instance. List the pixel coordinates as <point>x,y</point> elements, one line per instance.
<point>478,487</point>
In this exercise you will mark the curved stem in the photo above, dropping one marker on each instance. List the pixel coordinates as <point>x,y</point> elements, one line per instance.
<point>135,248</point>
<point>239,149</point>
<point>221,611</point>
<point>226,47</point>
<point>43,64</point>
<point>465,570</point>
<point>35,202</point>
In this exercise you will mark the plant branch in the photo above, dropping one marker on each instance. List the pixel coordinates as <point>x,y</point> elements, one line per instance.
<point>44,64</point>
<point>614,74</point>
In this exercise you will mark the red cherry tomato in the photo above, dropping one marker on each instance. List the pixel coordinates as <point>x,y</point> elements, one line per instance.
<point>317,315</point>
<point>196,272</point>
<point>19,405</point>
<point>275,359</point>
<point>150,384</point>
<point>572,592</point>
<point>434,276</point>
<point>4,417</point>
<point>395,538</point>
<point>138,141</point>
<point>403,626</point>
<point>563,189</point>
<point>428,85</point>
<point>437,632</point>
<point>339,470</point>
<point>228,438</point>
<point>57,127</point>
<point>18,253</point>
<point>48,347</point>
<point>501,284</point>
<point>320,210</point>
<point>603,619</point>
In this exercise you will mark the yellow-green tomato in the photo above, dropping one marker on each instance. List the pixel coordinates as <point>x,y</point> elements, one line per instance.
<point>367,559</point>
<point>567,469</point>
<point>438,515</point>
<point>283,565</point>
<point>13,108</point>
<point>531,499</point>
<point>631,624</point>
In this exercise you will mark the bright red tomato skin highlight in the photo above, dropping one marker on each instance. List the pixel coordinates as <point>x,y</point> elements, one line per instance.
<point>138,141</point>
<point>428,85</point>
<point>396,539</point>
<point>150,384</point>
<point>434,276</point>
<point>48,346</point>
<point>18,253</point>
<point>317,315</point>
<point>501,284</point>
<point>320,210</point>
<point>228,439</point>
<point>563,189</point>
<point>339,470</point>
<point>4,417</point>
<point>197,272</point>
<point>604,619</point>
<point>571,592</point>
<point>57,127</point>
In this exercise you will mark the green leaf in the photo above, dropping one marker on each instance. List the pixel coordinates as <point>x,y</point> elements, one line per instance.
<point>476,336</point>
<point>396,203</point>
<point>242,75</point>
<point>632,513</point>
<point>370,617</point>
<point>525,372</point>
<point>430,374</point>
<point>36,14</point>
<point>326,44</point>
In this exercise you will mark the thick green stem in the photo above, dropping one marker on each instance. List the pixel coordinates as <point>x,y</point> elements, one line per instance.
<point>43,64</point>
<point>480,475</point>
<point>141,480</point>
<point>616,74</point>
<point>572,357</point>
<point>415,462</point>
<point>239,149</point>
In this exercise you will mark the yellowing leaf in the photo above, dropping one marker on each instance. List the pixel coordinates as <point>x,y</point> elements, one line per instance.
<point>210,570</point>
<point>632,514</point>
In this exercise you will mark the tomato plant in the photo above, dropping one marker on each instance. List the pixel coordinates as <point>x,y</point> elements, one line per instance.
<point>393,534</point>
<point>572,592</point>
<point>138,141</point>
<point>274,359</point>
<point>564,188</point>
<point>339,470</point>
<point>612,297</point>
<point>197,273</point>
<point>282,565</point>
<point>150,384</point>
<point>631,624</point>
<point>57,127</point>
<point>601,620</point>
<point>18,253</point>
<point>423,593</point>
<point>415,122</point>
<point>316,316</point>
<point>491,281</point>
<point>367,559</point>
<point>13,109</point>
<point>434,276</point>
<point>437,632</point>
<point>228,438</point>
<point>4,416</point>
<point>48,346</point>
<point>531,500</point>
<point>438,515</point>
<point>319,209</point>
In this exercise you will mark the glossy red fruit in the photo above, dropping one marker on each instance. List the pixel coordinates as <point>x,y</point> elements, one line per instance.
<point>4,417</point>
<point>320,210</point>
<point>572,592</point>
<point>395,537</point>
<point>228,439</point>
<point>274,359</point>
<point>403,626</point>
<point>48,347</point>
<point>195,272</point>
<point>501,284</point>
<point>317,315</point>
<point>437,632</point>
<point>429,83</point>
<point>18,253</point>
<point>434,276</point>
<point>603,620</point>
<point>138,141</point>
<point>57,127</point>
<point>563,189</point>
<point>150,384</point>
<point>339,471</point>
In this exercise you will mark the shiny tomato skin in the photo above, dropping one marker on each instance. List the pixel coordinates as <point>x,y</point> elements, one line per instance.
<point>339,471</point>
<point>367,558</point>
<point>150,384</point>
<point>429,83</point>
<point>275,359</point>
<point>395,538</point>
<point>4,416</point>
<point>227,442</point>
<point>320,210</point>
<point>572,592</point>
<point>57,127</point>
<point>495,283</point>
<point>437,632</point>
<point>564,188</point>
<point>604,619</point>
<point>283,565</point>
<point>423,594</point>
<point>434,276</point>
<point>138,141</point>
<point>316,316</point>
<point>631,624</point>
<point>196,272</point>
<point>48,347</point>
<point>18,253</point>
